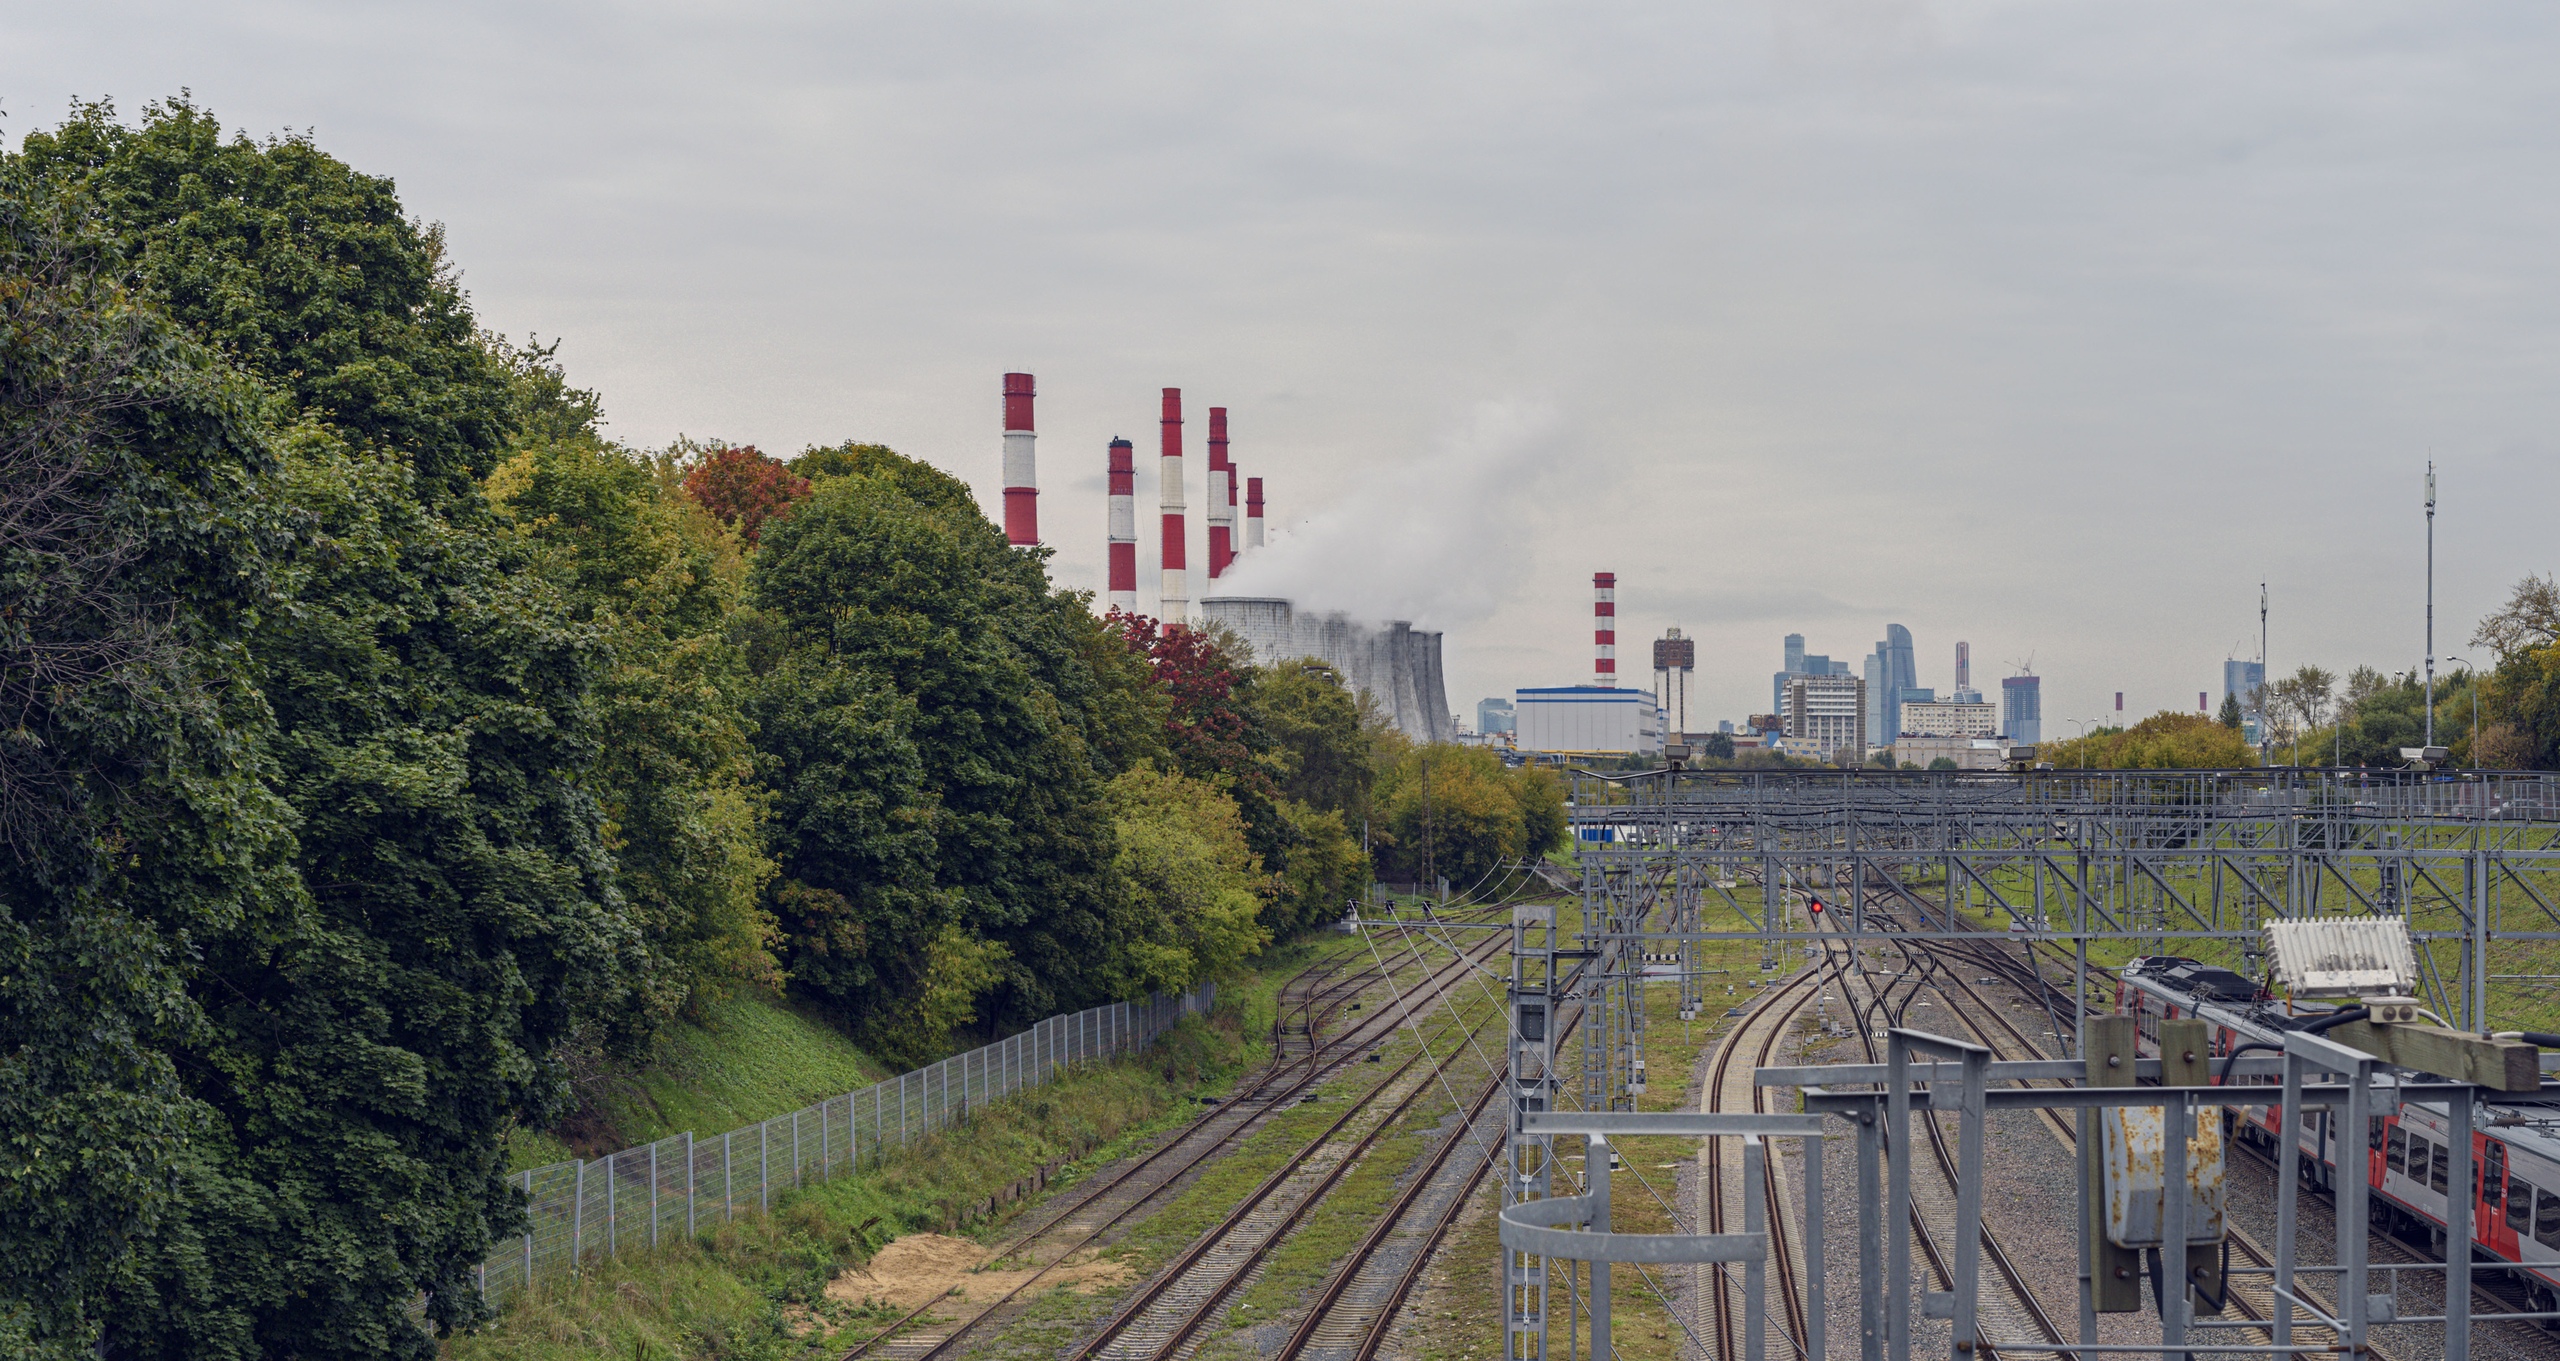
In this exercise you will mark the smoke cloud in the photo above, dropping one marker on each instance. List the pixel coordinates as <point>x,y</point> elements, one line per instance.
<point>1438,539</point>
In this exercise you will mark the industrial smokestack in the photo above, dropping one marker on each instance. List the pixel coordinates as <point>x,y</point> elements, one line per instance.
<point>1173,602</point>
<point>1604,630</point>
<point>1021,475</point>
<point>1123,534</point>
<point>1235,532</point>
<point>1253,512</point>
<point>1222,523</point>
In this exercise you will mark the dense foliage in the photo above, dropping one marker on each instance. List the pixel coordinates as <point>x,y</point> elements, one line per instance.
<point>376,736</point>
<point>2165,741</point>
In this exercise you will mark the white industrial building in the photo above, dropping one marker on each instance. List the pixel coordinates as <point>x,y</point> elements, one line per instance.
<point>1968,753</point>
<point>1950,718</point>
<point>1587,720</point>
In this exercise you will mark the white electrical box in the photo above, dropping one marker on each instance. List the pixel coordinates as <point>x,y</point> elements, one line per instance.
<point>2343,956</point>
<point>2137,1159</point>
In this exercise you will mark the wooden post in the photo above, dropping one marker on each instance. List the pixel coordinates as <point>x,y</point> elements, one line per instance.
<point>2115,1274</point>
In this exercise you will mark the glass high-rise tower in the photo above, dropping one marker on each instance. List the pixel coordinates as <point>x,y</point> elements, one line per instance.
<point>2022,709</point>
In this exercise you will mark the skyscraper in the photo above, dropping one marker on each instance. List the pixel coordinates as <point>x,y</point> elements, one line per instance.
<point>1901,672</point>
<point>2022,709</point>
<point>1795,652</point>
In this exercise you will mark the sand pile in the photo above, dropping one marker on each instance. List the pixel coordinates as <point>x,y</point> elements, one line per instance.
<point>924,1266</point>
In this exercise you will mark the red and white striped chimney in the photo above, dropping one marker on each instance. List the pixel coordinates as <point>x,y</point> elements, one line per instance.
<point>1253,513</point>
<point>1221,516</point>
<point>1123,534</point>
<point>1604,630</point>
<point>1021,475</point>
<point>1173,602</point>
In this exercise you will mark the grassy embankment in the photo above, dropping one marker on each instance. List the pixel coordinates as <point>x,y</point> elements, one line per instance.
<point>746,1058</point>
<point>755,1288</point>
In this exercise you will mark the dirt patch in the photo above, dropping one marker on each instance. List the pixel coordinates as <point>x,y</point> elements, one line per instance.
<point>924,1266</point>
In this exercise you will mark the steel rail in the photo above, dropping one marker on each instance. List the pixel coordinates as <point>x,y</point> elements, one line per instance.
<point>1349,1043</point>
<point>1124,1319</point>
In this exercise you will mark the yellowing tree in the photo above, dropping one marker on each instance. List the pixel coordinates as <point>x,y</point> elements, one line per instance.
<point>2167,740</point>
<point>1197,886</point>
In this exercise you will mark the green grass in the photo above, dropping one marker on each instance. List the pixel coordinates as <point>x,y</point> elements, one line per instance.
<point>755,1288</point>
<point>748,1058</point>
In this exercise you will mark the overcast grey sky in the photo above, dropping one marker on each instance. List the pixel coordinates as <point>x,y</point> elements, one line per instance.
<point>2055,326</point>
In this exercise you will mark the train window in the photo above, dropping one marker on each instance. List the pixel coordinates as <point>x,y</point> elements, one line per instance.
<point>2440,1171</point>
<point>2546,1219</point>
<point>2398,1157</point>
<point>2519,1204</point>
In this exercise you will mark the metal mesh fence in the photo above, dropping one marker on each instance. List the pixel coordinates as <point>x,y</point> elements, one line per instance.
<point>669,1190</point>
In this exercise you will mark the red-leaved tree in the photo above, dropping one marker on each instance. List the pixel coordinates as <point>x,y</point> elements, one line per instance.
<point>744,488</point>
<point>1207,730</point>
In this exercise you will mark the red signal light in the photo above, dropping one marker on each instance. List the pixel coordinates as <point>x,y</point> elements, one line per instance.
<point>1817,903</point>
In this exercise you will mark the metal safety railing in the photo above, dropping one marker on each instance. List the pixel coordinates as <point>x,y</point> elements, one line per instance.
<point>672,1189</point>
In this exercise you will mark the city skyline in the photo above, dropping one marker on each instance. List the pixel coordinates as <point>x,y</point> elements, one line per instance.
<point>1832,257</point>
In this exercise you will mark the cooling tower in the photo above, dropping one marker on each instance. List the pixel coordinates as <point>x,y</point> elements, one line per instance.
<point>1397,664</point>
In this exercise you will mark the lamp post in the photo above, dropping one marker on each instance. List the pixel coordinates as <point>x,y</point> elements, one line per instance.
<point>2084,732</point>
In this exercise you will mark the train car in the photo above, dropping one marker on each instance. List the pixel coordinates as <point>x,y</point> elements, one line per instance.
<point>2515,1151</point>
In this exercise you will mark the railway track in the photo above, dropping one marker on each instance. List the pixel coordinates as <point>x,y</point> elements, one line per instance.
<point>1353,1313</point>
<point>2011,1320</point>
<point>1164,1318</point>
<point>2250,1295</point>
<point>1991,1026</point>
<point>1082,1217</point>
<point>1730,1088</point>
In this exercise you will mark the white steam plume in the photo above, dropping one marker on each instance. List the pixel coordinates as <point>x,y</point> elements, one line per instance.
<point>1435,539</point>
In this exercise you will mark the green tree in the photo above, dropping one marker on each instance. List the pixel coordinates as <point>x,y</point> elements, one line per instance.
<point>2520,701</point>
<point>1182,859</point>
<point>2230,716</point>
<point>674,772</point>
<point>1319,755</point>
<point>138,540</point>
<point>364,1044</point>
<point>927,717</point>
<point>1458,812</point>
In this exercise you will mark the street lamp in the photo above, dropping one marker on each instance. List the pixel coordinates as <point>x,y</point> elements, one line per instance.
<point>2473,672</point>
<point>2084,732</point>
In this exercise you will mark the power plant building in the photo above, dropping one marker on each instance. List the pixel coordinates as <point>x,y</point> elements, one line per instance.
<point>1587,720</point>
<point>1396,663</point>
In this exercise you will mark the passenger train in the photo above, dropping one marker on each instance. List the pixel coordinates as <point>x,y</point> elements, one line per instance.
<point>2515,1153</point>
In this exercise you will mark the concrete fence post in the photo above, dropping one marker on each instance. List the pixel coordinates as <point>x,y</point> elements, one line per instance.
<point>612,1209</point>
<point>764,1165</point>
<point>690,1231</point>
<point>653,1197</point>
<point>528,1228</point>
